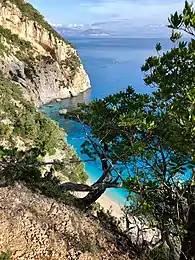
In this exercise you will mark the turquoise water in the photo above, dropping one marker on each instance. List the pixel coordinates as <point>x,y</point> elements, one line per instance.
<point>112,65</point>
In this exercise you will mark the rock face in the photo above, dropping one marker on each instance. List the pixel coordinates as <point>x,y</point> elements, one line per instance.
<point>35,227</point>
<point>50,68</point>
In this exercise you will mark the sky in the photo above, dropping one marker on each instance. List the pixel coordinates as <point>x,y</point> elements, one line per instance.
<point>114,14</point>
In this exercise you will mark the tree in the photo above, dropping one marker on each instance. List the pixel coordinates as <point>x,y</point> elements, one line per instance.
<point>173,75</point>
<point>110,141</point>
<point>147,142</point>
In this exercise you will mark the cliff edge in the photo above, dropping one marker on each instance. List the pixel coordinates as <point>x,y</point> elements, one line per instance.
<point>45,65</point>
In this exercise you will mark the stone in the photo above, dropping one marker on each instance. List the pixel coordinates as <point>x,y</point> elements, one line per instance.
<point>63,111</point>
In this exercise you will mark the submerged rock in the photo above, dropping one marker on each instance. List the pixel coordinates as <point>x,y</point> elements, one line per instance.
<point>63,111</point>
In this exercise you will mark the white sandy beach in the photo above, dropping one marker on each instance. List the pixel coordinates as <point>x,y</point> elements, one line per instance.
<point>107,203</point>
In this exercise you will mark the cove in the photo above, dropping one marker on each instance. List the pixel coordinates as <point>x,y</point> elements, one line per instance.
<point>76,136</point>
<point>112,65</point>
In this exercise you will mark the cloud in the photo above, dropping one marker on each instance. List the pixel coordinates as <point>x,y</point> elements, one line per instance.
<point>140,12</point>
<point>125,13</point>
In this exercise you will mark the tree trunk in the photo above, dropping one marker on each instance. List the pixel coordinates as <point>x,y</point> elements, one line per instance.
<point>173,254</point>
<point>106,176</point>
<point>188,245</point>
<point>73,186</point>
<point>92,197</point>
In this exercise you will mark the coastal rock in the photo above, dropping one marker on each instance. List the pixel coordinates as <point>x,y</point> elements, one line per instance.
<point>63,111</point>
<point>51,68</point>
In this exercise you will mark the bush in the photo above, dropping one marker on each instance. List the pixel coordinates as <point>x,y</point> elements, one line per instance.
<point>29,124</point>
<point>159,253</point>
<point>73,62</point>
<point>5,256</point>
<point>14,39</point>
<point>39,135</point>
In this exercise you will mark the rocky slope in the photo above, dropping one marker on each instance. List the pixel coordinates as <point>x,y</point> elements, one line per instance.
<point>38,222</point>
<point>45,65</point>
<point>35,227</point>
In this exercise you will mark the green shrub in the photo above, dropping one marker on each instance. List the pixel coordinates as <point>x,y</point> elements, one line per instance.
<point>14,39</point>
<point>159,253</point>
<point>5,256</point>
<point>27,122</point>
<point>24,49</point>
<point>40,135</point>
<point>73,62</point>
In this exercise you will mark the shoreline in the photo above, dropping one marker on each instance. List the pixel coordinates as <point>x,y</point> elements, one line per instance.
<point>77,98</point>
<point>110,205</point>
<point>107,203</point>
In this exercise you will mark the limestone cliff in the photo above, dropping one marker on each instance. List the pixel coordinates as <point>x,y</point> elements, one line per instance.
<point>45,65</point>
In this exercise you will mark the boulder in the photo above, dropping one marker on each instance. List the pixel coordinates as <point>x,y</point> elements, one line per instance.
<point>63,111</point>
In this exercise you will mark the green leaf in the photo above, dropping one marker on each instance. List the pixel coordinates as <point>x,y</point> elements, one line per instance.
<point>158,47</point>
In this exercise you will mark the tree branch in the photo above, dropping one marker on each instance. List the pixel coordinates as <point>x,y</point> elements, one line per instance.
<point>84,187</point>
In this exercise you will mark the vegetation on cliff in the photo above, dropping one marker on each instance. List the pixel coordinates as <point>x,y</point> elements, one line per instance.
<point>26,137</point>
<point>73,63</point>
<point>23,47</point>
<point>12,44</point>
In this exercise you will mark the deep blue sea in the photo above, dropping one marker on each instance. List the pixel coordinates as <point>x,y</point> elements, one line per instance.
<point>112,64</point>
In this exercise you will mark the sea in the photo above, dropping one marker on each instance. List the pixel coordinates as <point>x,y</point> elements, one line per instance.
<point>112,65</point>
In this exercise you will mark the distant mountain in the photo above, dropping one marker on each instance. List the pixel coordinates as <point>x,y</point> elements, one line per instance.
<point>115,28</point>
<point>127,28</point>
<point>79,30</point>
